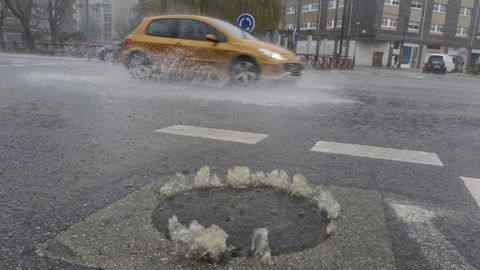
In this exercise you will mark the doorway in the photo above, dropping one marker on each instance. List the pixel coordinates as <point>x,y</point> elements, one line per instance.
<point>377,59</point>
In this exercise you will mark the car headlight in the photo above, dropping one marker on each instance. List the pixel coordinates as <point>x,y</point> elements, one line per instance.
<point>272,55</point>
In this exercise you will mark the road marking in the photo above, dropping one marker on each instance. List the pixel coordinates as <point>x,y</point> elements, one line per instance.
<point>418,77</point>
<point>473,185</point>
<point>378,153</point>
<point>18,65</point>
<point>435,247</point>
<point>215,134</point>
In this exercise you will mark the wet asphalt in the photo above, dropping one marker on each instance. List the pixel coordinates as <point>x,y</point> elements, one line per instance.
<point>77,135</point>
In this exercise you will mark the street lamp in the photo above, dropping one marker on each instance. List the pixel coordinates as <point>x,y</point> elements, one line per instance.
<point>356,38</point>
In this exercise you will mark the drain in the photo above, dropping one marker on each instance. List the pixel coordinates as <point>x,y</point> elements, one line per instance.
<point>294,223</point>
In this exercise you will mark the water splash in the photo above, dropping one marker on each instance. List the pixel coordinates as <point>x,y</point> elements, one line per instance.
<point>238,177</point>
<point>176,186</point>
<point>326,203</point>
<point>203,179</point>
<point>260,247</point>
<point>300,187</point>
<point>196,242</point>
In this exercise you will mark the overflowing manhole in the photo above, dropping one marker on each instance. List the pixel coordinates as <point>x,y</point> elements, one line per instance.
<point>294,223</point>
<point>256,215</point>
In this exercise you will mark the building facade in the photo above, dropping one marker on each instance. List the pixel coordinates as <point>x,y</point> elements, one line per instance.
<point>382,28</point>
<point>94,19</point>
<point>124,18</point>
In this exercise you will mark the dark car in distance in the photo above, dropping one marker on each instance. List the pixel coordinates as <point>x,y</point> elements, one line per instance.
<point>434,65</point>
<point>110,52</point>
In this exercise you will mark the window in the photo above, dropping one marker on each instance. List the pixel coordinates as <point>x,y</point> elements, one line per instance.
<point>413,26</point>
<point>436,28</point>
<point>330,24</point>
<point>462,31</point>
<point>290,10</point>
<point>308,25</point>
<point>433,47</point>
<point>162,28</point>
<point>438,7</point>
<point>196,30</point>
<point>465,11</point>
<point>391,2</point>
<point>333,4</point>
<point>417,4</point>
<point>310,7</point>
<point>389,23</point>
<point>289,26</point>
<point>339,23</point>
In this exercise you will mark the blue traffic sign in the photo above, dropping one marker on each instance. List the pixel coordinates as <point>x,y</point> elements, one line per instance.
<point>246,22</point>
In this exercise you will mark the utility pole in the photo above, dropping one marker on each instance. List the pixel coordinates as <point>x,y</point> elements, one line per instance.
<point>317,50</point>
<point>298,18</point>
<point>420,53</point>
<point>335,47</point>
<point>347,50</point>
<point>356,38</point>
<point>403,40</point>
<point>472,42</point>
<point>343,27</point>
<point>87,15</point>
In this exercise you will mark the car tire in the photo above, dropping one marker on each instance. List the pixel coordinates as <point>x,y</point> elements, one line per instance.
<point>244,71</point>
<point>139,66</point>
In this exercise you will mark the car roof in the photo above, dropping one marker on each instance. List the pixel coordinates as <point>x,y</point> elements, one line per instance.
<point>178,16</point>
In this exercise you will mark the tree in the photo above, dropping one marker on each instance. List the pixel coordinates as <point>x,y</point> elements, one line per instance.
<point>55,15</point>
<point>3,15</point>
<point>22,9</point>
<point>267,13</point>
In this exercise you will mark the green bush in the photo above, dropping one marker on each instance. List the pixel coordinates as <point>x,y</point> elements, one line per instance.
<point>477,66</point>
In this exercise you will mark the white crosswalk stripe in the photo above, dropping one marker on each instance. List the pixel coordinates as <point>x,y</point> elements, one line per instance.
<point>473,185</point>
<point>215,134</point>
<point>378,153</point>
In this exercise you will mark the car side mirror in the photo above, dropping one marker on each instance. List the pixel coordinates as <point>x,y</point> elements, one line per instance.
<point>211,38</point>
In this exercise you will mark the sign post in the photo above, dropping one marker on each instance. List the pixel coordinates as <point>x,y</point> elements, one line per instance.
<point>246,22</point>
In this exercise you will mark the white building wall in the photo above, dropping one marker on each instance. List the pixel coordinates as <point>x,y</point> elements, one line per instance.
<point>364,54</point>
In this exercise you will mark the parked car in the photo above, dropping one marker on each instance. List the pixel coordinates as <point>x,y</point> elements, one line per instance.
<point>447,60</point>
<point>204,41</point>
<point>435,65</point>
<point>110,52</point>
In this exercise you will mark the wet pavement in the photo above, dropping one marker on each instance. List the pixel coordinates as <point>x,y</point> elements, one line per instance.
<point>77,136</point>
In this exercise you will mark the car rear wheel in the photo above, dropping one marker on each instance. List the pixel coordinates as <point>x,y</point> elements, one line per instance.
<point>244,71</point>
<point>139,66</point>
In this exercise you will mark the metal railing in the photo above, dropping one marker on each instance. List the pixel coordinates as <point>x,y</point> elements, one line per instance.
<point>327,61</point>
<point>83,50</point>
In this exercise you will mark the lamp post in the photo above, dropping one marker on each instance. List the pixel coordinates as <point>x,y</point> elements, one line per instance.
<point>403,40</point>
<point>356,38</point>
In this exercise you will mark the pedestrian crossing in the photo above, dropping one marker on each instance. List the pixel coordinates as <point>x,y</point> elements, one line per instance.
<point>325,147</point>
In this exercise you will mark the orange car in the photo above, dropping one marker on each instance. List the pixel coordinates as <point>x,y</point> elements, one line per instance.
<point>183,42</point>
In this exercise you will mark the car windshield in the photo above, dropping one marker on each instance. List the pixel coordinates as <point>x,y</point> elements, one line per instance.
<point>435,58</point>
<point>233,30</point>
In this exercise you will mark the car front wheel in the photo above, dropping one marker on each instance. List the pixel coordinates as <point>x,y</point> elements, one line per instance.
<point>244,71</point>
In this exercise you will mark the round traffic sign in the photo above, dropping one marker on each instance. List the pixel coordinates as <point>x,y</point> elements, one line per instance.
<point>246,22</point>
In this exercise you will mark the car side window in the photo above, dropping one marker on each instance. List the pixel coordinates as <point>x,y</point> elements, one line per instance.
<point>162,28</point>
<point>197,30</point>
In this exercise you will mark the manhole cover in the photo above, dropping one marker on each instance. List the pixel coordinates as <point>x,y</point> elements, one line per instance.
<point>294,223</point>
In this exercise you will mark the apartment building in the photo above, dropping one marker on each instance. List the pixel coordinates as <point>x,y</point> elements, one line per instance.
<point>94,19</point>
<point>381,27</point>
